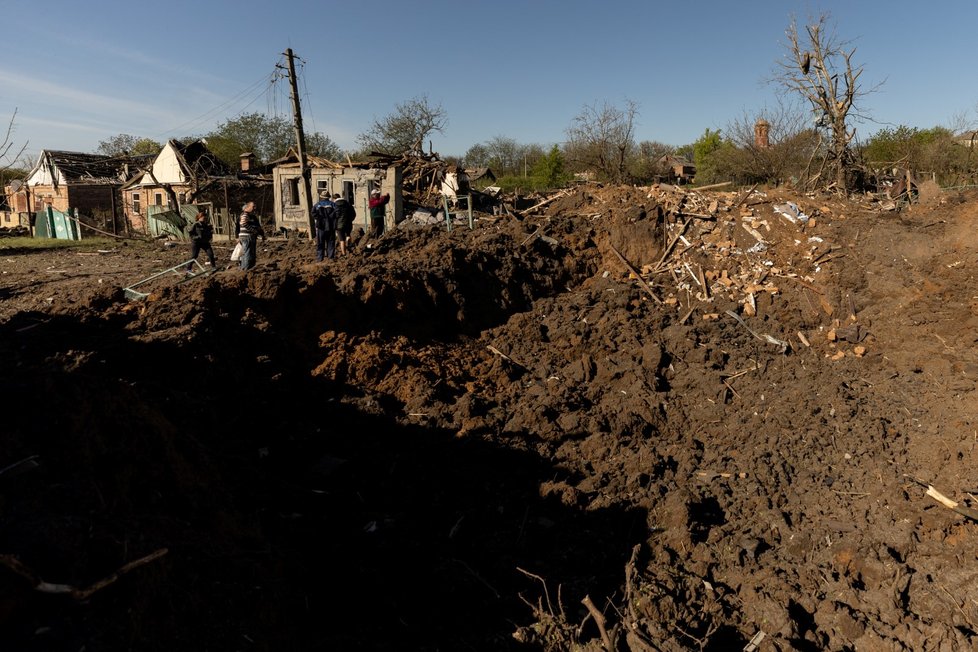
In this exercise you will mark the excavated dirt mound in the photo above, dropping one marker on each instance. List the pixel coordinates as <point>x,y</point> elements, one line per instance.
<point>637,419</point>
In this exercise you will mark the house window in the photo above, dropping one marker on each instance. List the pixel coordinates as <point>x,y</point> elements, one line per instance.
<point>135,203</point>
<point>158,199</point>
<point>321,185</point>
<point>294,191</point>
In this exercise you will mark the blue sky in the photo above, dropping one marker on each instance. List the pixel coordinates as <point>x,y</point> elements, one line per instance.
<point>78,73</point>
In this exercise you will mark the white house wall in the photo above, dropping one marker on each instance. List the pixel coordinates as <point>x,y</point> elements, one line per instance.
<point>41,176</point>
<point>296,216</point>
<point>166,168</point>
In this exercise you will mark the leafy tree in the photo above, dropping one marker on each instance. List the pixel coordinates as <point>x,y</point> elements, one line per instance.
<point>116,145</point>
<point>707,153</point>
<point>889,145</point>
<point>549,169</point>
<point>477,156</point>
<point>532,154</point>
<point>931,150</point>
<point>685,152</point>
<point>126,144</point>
<point>406,129</point>
<point>267,137</point>
<point>601,139</point>
<point>146,147</point>
<point>902,145</point>
<point>319,144</point>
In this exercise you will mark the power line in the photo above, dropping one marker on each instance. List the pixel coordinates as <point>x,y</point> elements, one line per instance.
<point>276,102</point>
<point>305,92</point>
<point>266,80</point>
<point>258,97</point>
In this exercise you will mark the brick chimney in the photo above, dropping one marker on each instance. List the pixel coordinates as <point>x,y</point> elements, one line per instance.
<point>761,128</point>
<point>247,161</point>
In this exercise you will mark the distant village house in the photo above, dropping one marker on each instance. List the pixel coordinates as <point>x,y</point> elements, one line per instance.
<point>676,170</point>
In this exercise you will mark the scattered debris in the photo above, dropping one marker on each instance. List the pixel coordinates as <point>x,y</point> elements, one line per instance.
<point>944,500</point>
<point>39,585</point>
<point>791,212</point>
<point>783,345</point>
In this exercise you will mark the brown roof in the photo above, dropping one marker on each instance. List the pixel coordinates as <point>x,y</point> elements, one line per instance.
<point>78,167</point>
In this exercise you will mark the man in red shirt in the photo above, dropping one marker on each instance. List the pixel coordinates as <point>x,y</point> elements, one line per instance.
<point>378,210</point>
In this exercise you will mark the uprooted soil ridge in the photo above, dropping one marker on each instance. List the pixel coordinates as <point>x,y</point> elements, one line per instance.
<point>703,412</point>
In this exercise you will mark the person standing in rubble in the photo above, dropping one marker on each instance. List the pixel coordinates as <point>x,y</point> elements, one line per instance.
<point>249,229</point>
<point>345,215</point>
<point>324,215</point>
<point>378,210</point>
<point>201,233</point>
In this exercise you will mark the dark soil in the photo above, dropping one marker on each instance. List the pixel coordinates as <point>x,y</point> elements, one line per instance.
<point>449,440</point>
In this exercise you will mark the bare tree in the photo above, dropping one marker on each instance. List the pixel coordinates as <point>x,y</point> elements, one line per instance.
<point>406,129</point>
<point>9,155</point>
<point>784,152</point>
<point>819,68</point>
<point>505,156</point>
<point>649,161</point>
<point>962,127</point>
<point>602,138</point>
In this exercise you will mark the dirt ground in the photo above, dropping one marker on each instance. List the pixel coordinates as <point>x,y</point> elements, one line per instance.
<point>636,419</point>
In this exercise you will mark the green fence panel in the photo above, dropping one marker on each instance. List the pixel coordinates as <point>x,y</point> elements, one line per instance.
<point>51,223</point>
<point>164,221</point>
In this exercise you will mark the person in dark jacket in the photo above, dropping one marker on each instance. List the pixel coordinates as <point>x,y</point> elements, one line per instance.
<point>324,215</point>
<point>378,209</point>
<point>201,233</point>
<point>345,216</point>
<point>249,229</point>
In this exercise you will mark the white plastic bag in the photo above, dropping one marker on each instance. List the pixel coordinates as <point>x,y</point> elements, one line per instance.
<point>236,254</point>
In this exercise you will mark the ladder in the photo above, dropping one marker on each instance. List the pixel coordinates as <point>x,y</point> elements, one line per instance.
<point>179,270</point>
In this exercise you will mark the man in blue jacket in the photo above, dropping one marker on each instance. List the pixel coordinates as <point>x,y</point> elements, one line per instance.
<point>324,215</point>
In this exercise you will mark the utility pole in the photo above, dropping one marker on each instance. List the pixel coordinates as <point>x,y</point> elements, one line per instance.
<point>300,139</point>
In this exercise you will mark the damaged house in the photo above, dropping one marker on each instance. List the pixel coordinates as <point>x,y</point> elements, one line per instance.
<point>676,170</point>
<point>194,178</point>
<point>74,181</point>
<point>353,181</point>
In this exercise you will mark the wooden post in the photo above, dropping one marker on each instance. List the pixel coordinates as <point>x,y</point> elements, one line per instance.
<point>227,210</point>
<point>300,139</point>
<point>27,197</point>
<point>112,201</point>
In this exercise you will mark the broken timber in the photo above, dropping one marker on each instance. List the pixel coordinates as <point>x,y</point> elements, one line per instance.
<point>41,586</point>
<point>947,502</point>
<point>562,193</point>
<point>631,268</point>
<point>672,244</point>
